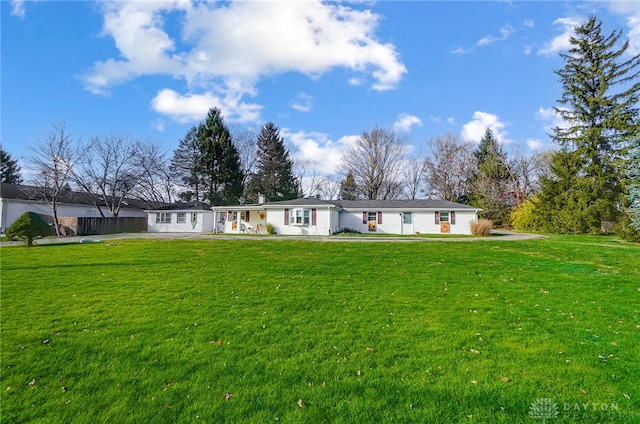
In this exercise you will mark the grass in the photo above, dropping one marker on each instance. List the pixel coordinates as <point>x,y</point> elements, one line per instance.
<point>181,331</point>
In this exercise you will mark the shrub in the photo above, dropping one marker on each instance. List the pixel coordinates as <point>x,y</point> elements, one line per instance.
<point>626,230</point>
<point>346,230</point>
<point>524,217</point>
<point>28,227</point>
<point>481,228</point>
<point>270,228</point>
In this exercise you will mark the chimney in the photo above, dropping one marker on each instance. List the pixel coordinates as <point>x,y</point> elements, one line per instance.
<point>260,198</point>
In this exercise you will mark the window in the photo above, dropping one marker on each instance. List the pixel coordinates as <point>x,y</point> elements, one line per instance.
<point>182,217</point>
<point>301,216</point>
<point>407,218</point>
<point>372,216</point>
<point>163,218</point>
<point>449,217</point>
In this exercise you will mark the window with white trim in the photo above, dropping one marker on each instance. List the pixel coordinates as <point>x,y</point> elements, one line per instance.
<point>163,218</point>
<point>444,216</point>
<point>182,217</point>
<point>301,216</point>
<point>407,218</point>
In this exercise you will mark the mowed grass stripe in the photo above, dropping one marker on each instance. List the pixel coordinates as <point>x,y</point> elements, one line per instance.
<point>239,331</point>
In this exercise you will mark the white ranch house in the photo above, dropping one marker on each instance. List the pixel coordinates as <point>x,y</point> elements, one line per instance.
<point>320,217</point>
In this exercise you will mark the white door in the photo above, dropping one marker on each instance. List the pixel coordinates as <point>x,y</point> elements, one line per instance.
<point>407,223</point>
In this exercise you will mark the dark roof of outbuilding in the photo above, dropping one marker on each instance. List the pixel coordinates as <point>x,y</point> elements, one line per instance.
<point>34,194</point>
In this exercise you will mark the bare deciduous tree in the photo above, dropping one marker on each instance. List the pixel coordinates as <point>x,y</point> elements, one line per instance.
<point>308,173</point>
<point>375,161</point>
<point>111,170</point>
<point>413,175</point>
<point>245,141</point>
<point>448,168</point>
<point>155,186</point>
<point>53,159</point>
<point>329,188</point>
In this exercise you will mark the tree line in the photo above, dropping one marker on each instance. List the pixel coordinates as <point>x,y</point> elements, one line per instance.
<point>590,180</point>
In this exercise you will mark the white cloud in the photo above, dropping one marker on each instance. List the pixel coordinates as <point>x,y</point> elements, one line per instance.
<point>458,50</point>
<point>474,130</point>
<point>551,119</point>
<point>317,147</point>
<point>527,49</point>
<point>561,42</point>
<point>505,32</point>
<point>535,144</point>
<point>451,120</point>
<point>193,107</point>
<point>159,125</point>
<point>17,8</point>
<point>631,12</point>
<point>405,122</point>
<point>528,23</point>
<point>234,44</point>
<point>302,102</point>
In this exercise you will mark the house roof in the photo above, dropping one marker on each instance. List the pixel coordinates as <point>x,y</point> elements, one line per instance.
<point>356,204</point>
<point>184,206</point>
<point>33,194</point>
<point>402,204</point>
<point>307,201</point>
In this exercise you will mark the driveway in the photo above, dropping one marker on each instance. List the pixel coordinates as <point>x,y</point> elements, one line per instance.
<point>496,236</point>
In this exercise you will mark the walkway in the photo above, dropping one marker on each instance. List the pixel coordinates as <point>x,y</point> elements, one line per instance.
<point>497,236</point>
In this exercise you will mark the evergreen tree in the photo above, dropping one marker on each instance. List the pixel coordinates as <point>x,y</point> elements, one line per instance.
<point>348,188</point>
<point>185,166</point>
<point>9,169</point>
<point>218,161</point>
<point>274,176</point>
<point>633,176</point>
<point>586,187</point>
<point>28,227</point>
<point>491,180</point>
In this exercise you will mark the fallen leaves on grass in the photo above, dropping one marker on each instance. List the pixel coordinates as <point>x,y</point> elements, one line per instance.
<point>228,396</point>
<point>32,383</point>
<point>474,381</point>
<point>474,351</point>
<point>504,379</point>
<point>301,403</point>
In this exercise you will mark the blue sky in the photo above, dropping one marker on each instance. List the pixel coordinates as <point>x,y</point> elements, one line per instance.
<point>322,72</point>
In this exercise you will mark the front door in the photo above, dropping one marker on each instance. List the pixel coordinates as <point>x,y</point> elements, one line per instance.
<point>407,223</point>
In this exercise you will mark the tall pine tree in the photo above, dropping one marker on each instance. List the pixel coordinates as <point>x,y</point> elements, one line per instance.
<point>9,169</point>
<point>491,180</point>
<point>274,176</point>
<point>185,166</point>
<point>219,161</point>
<point>600,104</point>
<point>348,188</point>
<point>633,176</point>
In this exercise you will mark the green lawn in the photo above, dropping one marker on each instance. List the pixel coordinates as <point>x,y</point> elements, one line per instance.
<point>182,331</point>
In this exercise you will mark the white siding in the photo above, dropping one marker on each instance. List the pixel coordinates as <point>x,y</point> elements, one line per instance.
<point>423,222</point>
<point>203,224</point>
<point>325,220</point>
<point>11,209</point>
